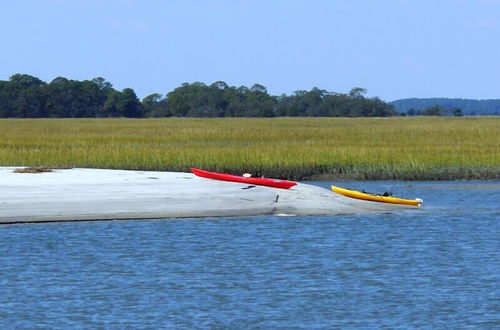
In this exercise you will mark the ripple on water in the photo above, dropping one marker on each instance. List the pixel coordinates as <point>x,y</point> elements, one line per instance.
<point>432,267</point>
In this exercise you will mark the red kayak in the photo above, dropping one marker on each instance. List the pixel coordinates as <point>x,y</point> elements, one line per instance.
<point>275,183</point>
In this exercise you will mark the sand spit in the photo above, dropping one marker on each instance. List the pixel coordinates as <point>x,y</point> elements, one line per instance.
<point>98,194</point>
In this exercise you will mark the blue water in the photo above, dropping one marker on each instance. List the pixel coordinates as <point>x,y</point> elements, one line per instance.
<point>436,267</point>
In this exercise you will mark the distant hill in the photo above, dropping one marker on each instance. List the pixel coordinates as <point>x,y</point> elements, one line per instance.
<point>468,106</point>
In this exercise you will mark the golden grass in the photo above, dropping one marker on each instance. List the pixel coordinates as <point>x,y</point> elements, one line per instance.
<point>358,148</point>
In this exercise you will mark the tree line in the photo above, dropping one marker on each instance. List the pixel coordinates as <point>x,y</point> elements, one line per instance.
<point>435,110</point>
<point>25,96</point>
<point>448,106</point>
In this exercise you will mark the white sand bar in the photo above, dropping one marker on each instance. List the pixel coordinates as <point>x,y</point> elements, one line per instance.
<point>97,194</point>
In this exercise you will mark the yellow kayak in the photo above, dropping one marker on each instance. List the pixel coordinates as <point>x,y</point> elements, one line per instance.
<point>376,198</point>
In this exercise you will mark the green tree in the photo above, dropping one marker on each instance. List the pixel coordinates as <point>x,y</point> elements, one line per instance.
<point>27,97</point>
<point>435,110</point>
<point>357,92</point>
<point>128,104</point>
<point>4,102</point>
<point>198,100</point>
<point>178,100</point>
<point>154,105</point>
<point>103,85</point>
<point>111,107</point>
<point>259,103</point>
<point>30,103</point>
<point>122,104</point>
<point>74,99</point>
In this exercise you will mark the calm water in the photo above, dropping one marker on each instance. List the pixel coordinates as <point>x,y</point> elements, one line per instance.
<point>437,267</point>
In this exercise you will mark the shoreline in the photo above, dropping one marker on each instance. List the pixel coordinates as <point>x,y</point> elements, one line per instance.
<point>320,174</point>
<point>444,174</point>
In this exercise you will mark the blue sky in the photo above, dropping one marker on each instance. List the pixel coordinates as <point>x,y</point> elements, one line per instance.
<point>393,48</point>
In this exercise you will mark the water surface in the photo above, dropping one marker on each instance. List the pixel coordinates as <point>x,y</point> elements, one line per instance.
<point>435,267</point>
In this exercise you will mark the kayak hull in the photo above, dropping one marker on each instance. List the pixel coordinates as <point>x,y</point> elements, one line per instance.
<point>275,183</point>
<point>376,198</point>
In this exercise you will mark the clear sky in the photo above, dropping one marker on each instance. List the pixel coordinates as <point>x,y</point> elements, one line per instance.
<point>393,48</point>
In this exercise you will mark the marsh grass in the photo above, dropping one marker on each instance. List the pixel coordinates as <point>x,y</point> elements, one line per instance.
<point>423,148</point>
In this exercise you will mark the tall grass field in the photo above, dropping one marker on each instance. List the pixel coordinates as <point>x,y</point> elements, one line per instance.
<point>405,148</point>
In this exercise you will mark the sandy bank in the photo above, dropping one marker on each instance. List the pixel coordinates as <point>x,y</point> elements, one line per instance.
<point>96,194</point>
